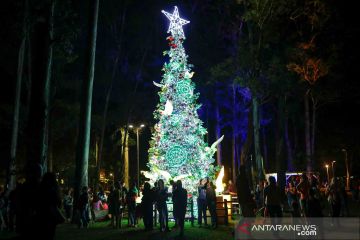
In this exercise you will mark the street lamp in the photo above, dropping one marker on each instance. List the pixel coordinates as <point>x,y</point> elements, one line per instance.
<point>347,169</point>
<point>332,167</point>
<point>137,130</point>
<point>327,172</point>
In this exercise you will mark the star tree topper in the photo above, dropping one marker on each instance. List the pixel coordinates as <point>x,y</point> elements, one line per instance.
<point>176,23</point>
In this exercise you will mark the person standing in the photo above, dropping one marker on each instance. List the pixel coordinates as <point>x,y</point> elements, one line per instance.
<point>147,202</point>
<point>117,205</point>
<point>180,203</point>
<point>334,198</point>
<point>244,196</point>
<point>131,203</point>
<point>201,200</point>
<point>211,203</point>
<point>292,197</point>
<point>304,187</point>
<point>83,207</point>
<point>173,186</point>
<point>48,207</point>
<point>161,199</point>
<point>68,204</point>
<point>272,198</point>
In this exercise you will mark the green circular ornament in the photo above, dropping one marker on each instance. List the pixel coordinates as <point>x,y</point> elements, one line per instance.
<point>184,90</point>
<point>176,156</point>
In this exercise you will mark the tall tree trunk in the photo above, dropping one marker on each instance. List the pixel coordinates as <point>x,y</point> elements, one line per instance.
<point>130,110</point>
<point>41,58</point>
<point>126,157</point>
<point>265,148</point>
<point>104,121</point>
<point>82,155</point>
<point>307,133</point>
<point>47,88</point>
<point>50,162</point>
<point>245,149</point>
<point>295,136</point>
<point>108,94</point>
<point>256,128</point>
<point>50,165</point>
<point>11,174</point>
<point>290,158</point>
<point>234,133</point>
<point>233,155</point>
<point>29,76</point>
<point>280,148</point>
<point>218,135</point>
<point>313,128</point>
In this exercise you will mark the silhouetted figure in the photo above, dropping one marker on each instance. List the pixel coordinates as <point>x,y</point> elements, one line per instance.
<point>112,203</point>
<point>180,203</point>
<point>12,206</point>
<point>161,198</point>
<point>344,212</point>
<point>333,193</point>
<point>173,185</point>
<point>304,187</point>
<point>26,203</point>
<point>83,208</point>
<point>211,203</point>
<point>272,198</point>
<point>201,201</point>
<point>147,202</point>
<point>68,203</point>
<point>118,198</point>
<point>314,205</point>
<point>3,209</point>
<point>131,203</point>
<point>246,201</point>
<point>293,200</point>
<point>49,203</point>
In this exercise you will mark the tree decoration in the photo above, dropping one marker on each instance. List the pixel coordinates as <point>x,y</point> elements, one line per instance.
<point>177,148</point>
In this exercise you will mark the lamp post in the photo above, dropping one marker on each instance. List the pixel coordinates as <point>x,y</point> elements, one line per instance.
<point>347,169</point>
<point>137,130</point>
<point>327,172</point>
<point>332,168</point>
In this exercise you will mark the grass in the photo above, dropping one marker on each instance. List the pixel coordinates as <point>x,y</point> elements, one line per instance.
<point>101,230</point>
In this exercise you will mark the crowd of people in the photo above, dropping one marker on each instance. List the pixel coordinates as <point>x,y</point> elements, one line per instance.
<point>37,206</point>
<point>306,197</point>
<point>40,204</point>
<point>33,208</point>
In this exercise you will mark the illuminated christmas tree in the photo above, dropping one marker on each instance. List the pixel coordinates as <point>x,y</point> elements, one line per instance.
<point>177,148</point>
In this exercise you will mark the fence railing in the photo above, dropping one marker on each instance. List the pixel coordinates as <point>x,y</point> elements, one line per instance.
<point>228,211</point>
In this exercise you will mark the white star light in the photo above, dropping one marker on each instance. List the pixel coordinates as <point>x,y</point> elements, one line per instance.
<point>176,23</point>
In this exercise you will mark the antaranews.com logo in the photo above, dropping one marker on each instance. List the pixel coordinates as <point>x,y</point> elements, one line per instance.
<point>297,228</point>
<point>300,229</point>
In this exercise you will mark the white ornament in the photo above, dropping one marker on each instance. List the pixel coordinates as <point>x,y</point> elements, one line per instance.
<point>158,84</point>
<point>211,150</point>
<point>189,75</point>
<point>176,23</point>
<point>168,108</point>
<point>213,146</point>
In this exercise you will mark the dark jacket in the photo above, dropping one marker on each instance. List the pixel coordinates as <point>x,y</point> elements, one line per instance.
<point>180,201</point>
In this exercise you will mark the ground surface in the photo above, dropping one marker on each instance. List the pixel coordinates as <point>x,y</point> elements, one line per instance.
<point>101,231</point>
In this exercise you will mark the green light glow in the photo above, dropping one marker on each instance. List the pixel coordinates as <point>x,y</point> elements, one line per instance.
<point>177,148</point>
<point>176,156</point>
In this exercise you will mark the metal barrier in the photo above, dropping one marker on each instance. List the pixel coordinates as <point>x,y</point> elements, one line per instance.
<point>190,211</point>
